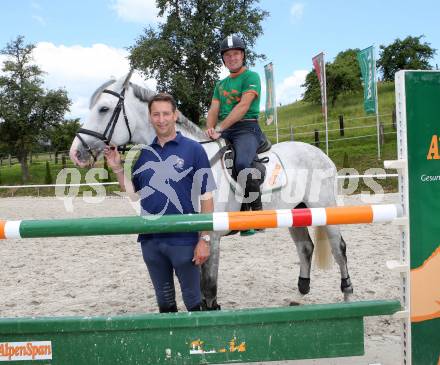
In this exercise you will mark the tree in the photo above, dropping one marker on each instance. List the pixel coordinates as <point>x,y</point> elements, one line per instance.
<point>343,76</point>
<point>407,54</point>
<point>26,108</point>
<point>48,177</point>
<point>61,135</point>
<point>312,92</point>
<point>183,53</point>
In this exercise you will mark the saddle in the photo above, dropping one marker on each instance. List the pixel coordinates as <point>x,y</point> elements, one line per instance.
<point>267,162</point>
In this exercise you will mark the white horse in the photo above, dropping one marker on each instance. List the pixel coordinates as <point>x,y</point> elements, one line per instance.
<point>309,176</point>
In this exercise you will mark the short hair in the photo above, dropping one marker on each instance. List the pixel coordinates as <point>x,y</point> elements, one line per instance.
<point>163,97</point>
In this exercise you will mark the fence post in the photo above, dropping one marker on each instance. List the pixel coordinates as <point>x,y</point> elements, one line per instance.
<point>381,134</point>
<point>341,125</point>
<point>316,137</point>
<point>291,132</point>
<point>9,160</point>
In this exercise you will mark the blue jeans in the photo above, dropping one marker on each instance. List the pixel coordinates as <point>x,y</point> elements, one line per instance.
<point>162,259</point>
<point>246,137</point>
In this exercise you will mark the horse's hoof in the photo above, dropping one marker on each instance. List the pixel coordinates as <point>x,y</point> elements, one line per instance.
<point>213,307</point>
<point>303,285</point>
<point>346,286</point>
<point>347,297</point>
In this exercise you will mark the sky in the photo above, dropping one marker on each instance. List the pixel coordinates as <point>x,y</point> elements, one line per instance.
<point>80,44</point>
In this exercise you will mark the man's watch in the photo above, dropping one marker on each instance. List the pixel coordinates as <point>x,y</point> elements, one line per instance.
<point>206,238</point>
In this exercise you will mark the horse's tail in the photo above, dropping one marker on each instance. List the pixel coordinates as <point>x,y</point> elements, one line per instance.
<point>322,249</point>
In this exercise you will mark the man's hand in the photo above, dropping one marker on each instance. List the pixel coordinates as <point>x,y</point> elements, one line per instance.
<point>113,157</point>
<point>212,133</point>
<point>201,252</point>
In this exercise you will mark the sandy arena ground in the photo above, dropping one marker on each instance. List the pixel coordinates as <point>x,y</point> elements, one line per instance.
<point>107,276</point>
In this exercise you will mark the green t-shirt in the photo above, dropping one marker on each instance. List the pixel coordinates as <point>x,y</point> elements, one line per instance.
<point>229,91</point>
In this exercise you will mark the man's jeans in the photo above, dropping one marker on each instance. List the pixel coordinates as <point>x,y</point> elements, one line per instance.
<point>246,136</point>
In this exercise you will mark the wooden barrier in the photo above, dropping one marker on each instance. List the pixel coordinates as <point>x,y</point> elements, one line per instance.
<point>310,331</point>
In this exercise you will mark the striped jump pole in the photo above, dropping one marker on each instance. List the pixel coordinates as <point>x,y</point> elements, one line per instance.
<point>223,221</point>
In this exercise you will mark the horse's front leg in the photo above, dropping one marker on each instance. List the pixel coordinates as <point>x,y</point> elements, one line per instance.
<point>210,276</point>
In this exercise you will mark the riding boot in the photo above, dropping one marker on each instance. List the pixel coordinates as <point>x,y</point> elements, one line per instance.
<point>172,309</point>
<point>196,308</point>
<point>247,206</point>
<point>256,204</point>
<point>253,189</point>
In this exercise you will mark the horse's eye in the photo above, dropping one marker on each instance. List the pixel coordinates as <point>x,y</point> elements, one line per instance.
<point>103,109</point>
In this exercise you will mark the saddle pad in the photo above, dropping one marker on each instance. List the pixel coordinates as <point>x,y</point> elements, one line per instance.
<point>275,174</point>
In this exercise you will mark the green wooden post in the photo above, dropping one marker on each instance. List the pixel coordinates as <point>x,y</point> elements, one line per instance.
<point>418,112</point>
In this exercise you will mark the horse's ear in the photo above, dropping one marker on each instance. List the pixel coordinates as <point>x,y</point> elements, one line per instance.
<point>127,79</point>
<point>98,92</point>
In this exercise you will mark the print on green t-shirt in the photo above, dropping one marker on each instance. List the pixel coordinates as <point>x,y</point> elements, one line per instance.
<point>230,90</point>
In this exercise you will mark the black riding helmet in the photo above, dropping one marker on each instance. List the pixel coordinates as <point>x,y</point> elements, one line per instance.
<point>232,42</point>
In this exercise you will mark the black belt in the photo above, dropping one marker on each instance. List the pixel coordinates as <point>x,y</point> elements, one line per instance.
<point>248,120</point>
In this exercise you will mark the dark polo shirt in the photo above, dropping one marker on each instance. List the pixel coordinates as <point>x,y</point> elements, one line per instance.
<point>170,180</point>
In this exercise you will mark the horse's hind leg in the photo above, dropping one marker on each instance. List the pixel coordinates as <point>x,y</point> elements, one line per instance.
<point>338,247</point>
<point>304,247</point>
<point>209,276</point>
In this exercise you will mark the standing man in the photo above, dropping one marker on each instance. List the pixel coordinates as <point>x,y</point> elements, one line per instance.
<point>166,176</point>
<point>236,106</point>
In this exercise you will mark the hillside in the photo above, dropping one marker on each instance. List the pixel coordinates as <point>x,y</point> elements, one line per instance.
<point>359,142</point>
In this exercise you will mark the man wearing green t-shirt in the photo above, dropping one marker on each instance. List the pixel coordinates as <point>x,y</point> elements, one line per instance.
<point>235,106</point>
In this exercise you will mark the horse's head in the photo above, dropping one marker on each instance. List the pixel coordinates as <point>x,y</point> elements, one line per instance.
<point>118,115</point>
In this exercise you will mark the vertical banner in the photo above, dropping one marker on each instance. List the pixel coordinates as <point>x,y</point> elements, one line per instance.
<point>368,66</point>
<point>271,105</point>
<point>367,63</point>
<point>319,65</point>
<point>270,94</point>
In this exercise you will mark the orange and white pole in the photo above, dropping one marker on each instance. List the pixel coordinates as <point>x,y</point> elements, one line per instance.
<point>226,221</point>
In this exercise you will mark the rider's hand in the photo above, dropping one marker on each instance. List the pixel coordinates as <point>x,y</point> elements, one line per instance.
<point>113,157</point>
<point>212,133</point>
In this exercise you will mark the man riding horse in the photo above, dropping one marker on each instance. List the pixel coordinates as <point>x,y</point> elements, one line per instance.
<point>236,105</point>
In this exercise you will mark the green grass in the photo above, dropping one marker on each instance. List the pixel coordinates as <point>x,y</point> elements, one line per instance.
<point>362,153</point>
<point>12,176</point>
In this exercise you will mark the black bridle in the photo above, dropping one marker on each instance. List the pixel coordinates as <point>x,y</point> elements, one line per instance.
<point>106,137</point>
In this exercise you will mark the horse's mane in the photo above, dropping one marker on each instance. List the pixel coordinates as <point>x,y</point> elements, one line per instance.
<point>142,93</point>
<point>145,95</point>
<point>183,122</point>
